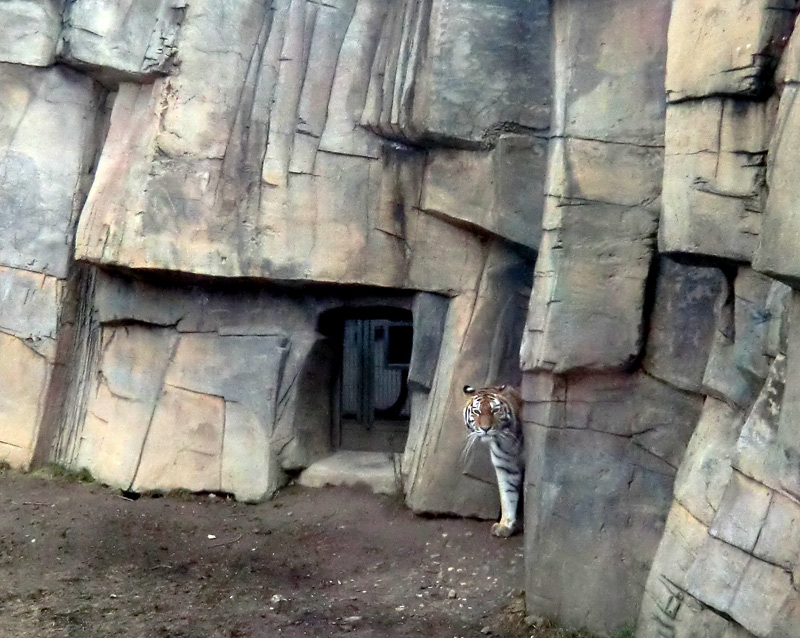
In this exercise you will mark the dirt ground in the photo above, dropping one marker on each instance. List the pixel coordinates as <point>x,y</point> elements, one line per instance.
<point>81,560</point>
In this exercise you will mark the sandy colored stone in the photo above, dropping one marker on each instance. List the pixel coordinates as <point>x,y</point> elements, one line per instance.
<point>742,512</point>
<point>184,443</point>
<point>666,606</point>
<point>500,190</point>
<point>24,375</point>
<point>718,48</point>
<point>123,398</point>
<point>705,469</point>
<point>751,591</point>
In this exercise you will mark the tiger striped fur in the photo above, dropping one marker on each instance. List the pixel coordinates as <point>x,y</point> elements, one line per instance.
<point>493,413</point>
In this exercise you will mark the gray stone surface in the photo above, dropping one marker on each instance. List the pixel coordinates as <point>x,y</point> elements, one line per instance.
<point>511,205</point>
<point>722,377</point>
<point>600,476</point>
<point>29,31</point>
<point>130,40</point>
<point>430,314</point>
<point>47,140</point>
<point>248,179</point>
<point>776,252</point>
<point>375,470</point>
<point>715,177</point>
<point>608,87</point>
<point>478,82</point>
<point>682,322</point>
<point>706,466</point>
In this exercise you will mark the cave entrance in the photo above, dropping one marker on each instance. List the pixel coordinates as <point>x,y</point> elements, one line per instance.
<point>373,398</point>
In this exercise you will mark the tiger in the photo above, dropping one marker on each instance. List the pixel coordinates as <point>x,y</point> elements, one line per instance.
<point>493,413</point>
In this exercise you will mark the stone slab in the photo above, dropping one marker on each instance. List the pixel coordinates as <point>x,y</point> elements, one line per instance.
<point>705,469</point>
<point>609,86</point>
<point>586,311</point>
<point>430,314</point>
<point>447,72</point>
<point>24,376</point>
<point>184,443</point>
<point>511,207</point>
<point>594,518</point>
<point>375,470</point>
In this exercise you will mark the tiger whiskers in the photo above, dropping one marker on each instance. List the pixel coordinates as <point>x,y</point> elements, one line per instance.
<point>472,437</point>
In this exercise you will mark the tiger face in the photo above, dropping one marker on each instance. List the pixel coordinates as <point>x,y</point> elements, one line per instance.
<point>490,411</point>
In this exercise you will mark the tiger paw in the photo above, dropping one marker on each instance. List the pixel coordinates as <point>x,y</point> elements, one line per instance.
<point>504,530</point>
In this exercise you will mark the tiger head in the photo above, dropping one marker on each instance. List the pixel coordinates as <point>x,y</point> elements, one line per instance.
<point>491,410</point>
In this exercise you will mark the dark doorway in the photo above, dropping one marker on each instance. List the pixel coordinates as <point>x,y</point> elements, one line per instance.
<point>373,389</point>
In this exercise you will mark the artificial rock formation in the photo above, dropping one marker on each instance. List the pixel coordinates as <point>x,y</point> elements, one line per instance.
<point>188,187</point>
<point>194,196</point>
<point>660,460</point>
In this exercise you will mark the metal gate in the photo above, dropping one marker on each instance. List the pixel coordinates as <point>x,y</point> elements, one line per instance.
<point>373,400</point>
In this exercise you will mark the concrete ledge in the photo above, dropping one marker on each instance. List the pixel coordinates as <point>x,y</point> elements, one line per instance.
<point>380,471</point>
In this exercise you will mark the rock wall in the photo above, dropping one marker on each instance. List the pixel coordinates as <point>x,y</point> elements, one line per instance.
<point>192,193</point>
<point>660,340</point>
<point>189,191</point>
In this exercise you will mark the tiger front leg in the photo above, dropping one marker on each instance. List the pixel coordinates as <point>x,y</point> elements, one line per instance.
<point>509,500</point>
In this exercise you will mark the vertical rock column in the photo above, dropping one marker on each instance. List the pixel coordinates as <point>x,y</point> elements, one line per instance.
<point>604,437</point>
<point>47,137</point>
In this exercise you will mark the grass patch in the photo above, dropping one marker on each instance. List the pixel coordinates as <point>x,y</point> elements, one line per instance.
<point>52,470</point>
<point>626,631</point>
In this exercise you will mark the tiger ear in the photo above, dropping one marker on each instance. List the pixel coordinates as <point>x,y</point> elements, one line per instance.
<point>503,387</point>
<point>468,389</point>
